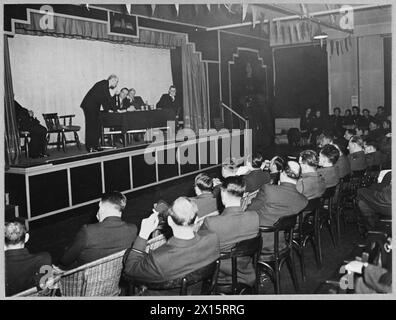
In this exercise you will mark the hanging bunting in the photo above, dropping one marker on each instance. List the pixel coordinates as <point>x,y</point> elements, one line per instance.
<point>129,8</point>
<point>272,32</point>
<point>291,33</point>
<point>283,32</point>
<point>298,31</point>
<point>350,40</point>
<point>337,47</point>
<point>346,44</point>
<point>331,47</point>
<point>152,9</point>
<point>302,29</point>
<point>278,31</point>
<point>244,11</point>
<point>196,7</point>
<point>177,6</point>
<point>342,46</point>
<point>254,15</point>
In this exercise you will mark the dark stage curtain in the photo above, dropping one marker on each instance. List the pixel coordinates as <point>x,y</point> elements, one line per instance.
<point>11,135</point>
<point>177,73</point>
<point>301,81</point>
<point>388,74</point>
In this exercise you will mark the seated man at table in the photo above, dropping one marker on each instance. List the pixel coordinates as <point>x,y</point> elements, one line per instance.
<point>22,268</point>
<point>120,101</point>
<point>275,201</point>
<point>185,252</point>
<point>108,236</point>
<point>133,102</point>
<point>328,157</point>
<point>169,101</point>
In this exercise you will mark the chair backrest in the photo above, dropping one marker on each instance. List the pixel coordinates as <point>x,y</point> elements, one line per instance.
<point>206,274</point>
<point>51,121</point>
<point>329,193</point>
<point>97,278</point>
<point>285,224</point>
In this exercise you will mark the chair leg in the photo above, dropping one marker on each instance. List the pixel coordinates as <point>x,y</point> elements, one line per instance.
<point>292,271</point>
<point>315,248</point>
<point>77,139</point>
<point>63,142</point>
<point>58,141</point>
<point>27,147</point>
<point>277,279</point>
<point>302,263</point>
<point>319,246</point>
<point>328,225</point>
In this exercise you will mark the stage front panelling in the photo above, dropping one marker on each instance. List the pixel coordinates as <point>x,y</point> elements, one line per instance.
<point>48,189</point>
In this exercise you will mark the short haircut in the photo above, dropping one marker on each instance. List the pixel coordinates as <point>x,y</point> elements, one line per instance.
<point>358,140</point>
<point>112,76</point>
<point>327,134</point>
<point>387,122</point>
<point>204,182</point>
<point>132,89</point>
<point>355,107</point>
<point>371,143</point>
<point>310,158</point>
<point>115,198</point>
<point>172,87</point>
<point>279,163</point>
<point>234,186</point>
<point>368,111</point>
<point>351,131</point>
<point>331,152</point>
<point>292,169</point>
<point>14,232</point>
<point>257,160</point>
<point>183,211</point>
<point>373,120</point>
<point>337,108</point>
<point>125,89</point>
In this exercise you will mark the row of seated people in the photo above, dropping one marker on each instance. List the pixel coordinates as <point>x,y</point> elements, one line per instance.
<point>192,244</point>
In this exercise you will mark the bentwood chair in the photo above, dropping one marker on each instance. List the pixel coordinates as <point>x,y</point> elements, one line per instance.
<point>326,216</point>
<point>271,262</point>
<point>249,248</point>
<point>308,230</point>
<point>206,277</point>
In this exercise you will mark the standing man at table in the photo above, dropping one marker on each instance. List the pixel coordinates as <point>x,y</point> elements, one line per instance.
<point>169,101</point>
<point>101,94</point>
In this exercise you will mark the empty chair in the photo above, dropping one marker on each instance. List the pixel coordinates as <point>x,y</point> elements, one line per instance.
<point>271,262</point>
<point>55,127</point>
<point>206,275</point>
<point>247,248</point>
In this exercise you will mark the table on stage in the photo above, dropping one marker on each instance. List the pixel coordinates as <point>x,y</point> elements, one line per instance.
<point>135,121</point>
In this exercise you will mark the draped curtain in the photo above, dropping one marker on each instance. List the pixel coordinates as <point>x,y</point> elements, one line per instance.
<point>195,104</point>
<point>11,135</point>
<point>195,91</point>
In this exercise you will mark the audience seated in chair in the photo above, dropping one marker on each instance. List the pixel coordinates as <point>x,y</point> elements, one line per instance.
<point>22,269</point>
<point>205,200</point>
<point>311,184</point>
<point>328,157</point>
<point>256,176</point>
<point>232,226</point>
<point>184,252</point>
<point>38,133</point>
<point>373,156</point>
<point>356,156</point>
<point>275,201</point>
<point>375,202</point>
<point>108,236</point>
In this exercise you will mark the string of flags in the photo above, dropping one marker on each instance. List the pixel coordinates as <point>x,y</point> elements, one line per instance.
<point>339,46</point>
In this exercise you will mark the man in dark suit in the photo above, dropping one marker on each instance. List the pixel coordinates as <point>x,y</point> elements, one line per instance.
<point>120,101</point>
<point>205,200</point>
<point>232,226</point>
<point>170,101</point>
<point>38,134</point>
<point>256,177</point>
<point>185,252</point>
<point>101,239</point>
<point>22,269</point>
<point>311,184</point>
<point>98,96</point>
<point>134,102</point>
<point>356,156</point>
<point>328,157</point>
<point>275,201</point>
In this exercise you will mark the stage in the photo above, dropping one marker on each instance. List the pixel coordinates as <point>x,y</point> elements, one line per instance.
<point>65,181</point>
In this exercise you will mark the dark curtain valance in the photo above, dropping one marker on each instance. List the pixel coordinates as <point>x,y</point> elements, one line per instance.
<point>80,29</point>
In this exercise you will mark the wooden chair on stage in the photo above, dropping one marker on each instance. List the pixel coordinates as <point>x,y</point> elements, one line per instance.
<point>24,136</point>
<point>55,127</point>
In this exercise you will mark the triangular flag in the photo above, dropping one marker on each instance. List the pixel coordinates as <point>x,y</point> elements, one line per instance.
<point>298,31</point>
<point>331,47</point>
<point>346,44</point>
<point>291,33</point>
<point>152,9</point>
<point>338,47</point>
<point>254,15</point>
<point>342,47</point>
<point>244,11</point>
<point>350,41</point>
<point>208,6</point>
<point>129,8</point>
<point>177,6</point>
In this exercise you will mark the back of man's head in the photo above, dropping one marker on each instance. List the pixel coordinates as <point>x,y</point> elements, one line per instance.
<point>331,153</point>
<point>203,182</point>
<point>14,233</point>
<point>309,158</point>
<point>234,186</point>
<point>292,171</point>
<point>257,160</point>
<point>183,212</point>
<point>115,200</point>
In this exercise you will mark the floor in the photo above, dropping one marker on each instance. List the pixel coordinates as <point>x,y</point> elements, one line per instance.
<point>55,233</point>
